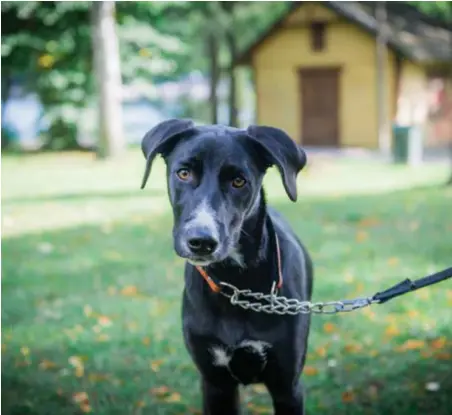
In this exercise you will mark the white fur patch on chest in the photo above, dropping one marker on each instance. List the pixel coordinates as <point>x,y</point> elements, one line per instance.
<point>221,356</point>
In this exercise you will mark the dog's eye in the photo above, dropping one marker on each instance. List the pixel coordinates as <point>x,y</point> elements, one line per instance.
<point>183,174</point>
<point>238,182</point>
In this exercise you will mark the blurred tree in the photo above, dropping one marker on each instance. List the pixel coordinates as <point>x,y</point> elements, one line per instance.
<point>45,44</point>
<point>109,84</point>
<point>49,45</point>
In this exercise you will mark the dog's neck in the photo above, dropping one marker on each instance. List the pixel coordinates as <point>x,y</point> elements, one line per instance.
<point>253,235</point>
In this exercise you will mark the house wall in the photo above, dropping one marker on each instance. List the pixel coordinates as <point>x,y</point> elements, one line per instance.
<point>277,61</point>
<point>412,101</point>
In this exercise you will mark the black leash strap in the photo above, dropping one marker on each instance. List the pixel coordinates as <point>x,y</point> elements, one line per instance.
<point>408,285</point>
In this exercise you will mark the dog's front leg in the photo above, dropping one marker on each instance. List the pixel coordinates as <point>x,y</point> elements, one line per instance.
<point>287,401</point>
<point>220,400</point>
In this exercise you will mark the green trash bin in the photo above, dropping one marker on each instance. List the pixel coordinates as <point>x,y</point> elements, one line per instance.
<point>407,145</point>
<point>401,138</point>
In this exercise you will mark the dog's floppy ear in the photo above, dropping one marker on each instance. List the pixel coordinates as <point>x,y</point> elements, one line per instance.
<point>160,137</point>
<point>281,151</point>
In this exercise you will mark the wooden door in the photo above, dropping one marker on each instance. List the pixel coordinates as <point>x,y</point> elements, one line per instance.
<point>320,107</point>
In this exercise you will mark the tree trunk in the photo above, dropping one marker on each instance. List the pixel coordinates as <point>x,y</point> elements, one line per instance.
<point>212,50</point>
<point>228,7</point>
<point>382,101</point>
<point>449,181</point>
<point>108,77</point>
<point>6,88</point>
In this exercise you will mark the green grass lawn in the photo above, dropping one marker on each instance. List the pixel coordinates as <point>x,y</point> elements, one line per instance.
<point>91,289</point>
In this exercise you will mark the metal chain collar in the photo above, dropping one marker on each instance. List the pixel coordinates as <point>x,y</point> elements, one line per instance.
<point>273,304</point>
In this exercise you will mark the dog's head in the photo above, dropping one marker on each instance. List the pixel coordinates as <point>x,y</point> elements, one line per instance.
<point>214,176</point>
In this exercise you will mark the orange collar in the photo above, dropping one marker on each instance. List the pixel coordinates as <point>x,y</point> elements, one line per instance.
<point>216,287</point>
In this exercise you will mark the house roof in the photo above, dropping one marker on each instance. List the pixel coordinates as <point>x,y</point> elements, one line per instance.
<point>409,32</point>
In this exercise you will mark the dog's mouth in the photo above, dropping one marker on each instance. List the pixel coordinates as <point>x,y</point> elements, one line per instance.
<point>219,255</point>
<point>199,262</point>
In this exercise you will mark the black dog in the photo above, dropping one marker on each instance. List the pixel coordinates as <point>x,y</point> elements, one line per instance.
<point>225,230</point>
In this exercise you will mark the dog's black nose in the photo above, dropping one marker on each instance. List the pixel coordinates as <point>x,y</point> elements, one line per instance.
<point>202,244</point>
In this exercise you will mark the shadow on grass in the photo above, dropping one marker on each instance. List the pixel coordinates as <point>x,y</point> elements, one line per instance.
<point>112,298</point>
<point>375,385</point>
<point>82,196</point>
<point>31,396</point>
<point>356,386</point>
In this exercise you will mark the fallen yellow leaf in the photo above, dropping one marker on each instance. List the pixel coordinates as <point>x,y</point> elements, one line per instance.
<point>423,294</point>
<point>173,397</point>
<point>361,236</point>
<point>349,278</point>
<point>88,310</point>
<point>78,328</point>
<point>77,363</point>
<point>85,407</point>
<point>155,365</point>
<point>352,348</point>
<point>97,328</point>
<point>47,364</point>
<point>413,313</point>
<point>160,390</point>
<point>393,261</point>
<point>310,371</point>
<point>443,356</point>
<point>25,350</point>
<point>392,330</point>
<point>129,290</point>
<point>348,397</point>
<point>411,344</point>
<point>132,325</point>
<point>449,297</point>
<point>101,338</point>
<point>439,343</point>
<point>426,354</point>
<point>97,377</point>
<point>113,255</point>
<point>369,313</point>
<point>321,351</point>
<point>80,397</point>
<point>368,222</point>
<point>329,328</point>
<point>104,321</point>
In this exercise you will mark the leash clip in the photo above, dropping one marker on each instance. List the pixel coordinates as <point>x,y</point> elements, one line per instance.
<point>351,305</point>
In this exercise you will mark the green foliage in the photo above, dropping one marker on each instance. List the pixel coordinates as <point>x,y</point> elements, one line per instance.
<point>441,10</point>
<point>49,45</point>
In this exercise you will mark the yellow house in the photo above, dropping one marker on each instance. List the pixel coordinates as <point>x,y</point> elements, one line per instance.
<point>317,75</point>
